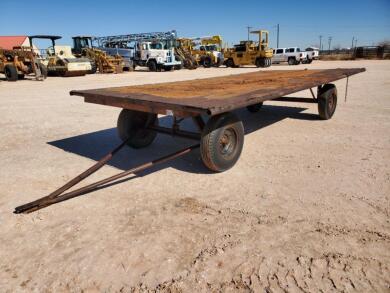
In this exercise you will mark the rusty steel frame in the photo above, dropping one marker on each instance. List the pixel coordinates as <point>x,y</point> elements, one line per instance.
<point>177,110</point>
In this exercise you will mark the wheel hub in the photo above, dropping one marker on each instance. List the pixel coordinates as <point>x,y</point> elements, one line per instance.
<point>227,142</point>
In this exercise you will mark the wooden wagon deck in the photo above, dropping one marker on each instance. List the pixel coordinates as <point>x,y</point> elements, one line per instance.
<point>213,95</point>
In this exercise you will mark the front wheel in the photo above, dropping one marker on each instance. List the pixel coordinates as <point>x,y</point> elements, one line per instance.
<point>327,101</point>
<point>152,65</point>
<point>133,125</point>
<point>222,142</point>
<point>291,61</point>
<point>207,62</point>
<point>11,73</point>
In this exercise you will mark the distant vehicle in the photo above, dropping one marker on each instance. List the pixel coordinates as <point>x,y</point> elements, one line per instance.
<point>292,55</point>
<point>153,50</point>
<point>313,53</point>
<point>59,60</point>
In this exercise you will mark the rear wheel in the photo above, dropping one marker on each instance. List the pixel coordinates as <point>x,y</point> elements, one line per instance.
<point>327,101</point>
<point>11,74</point>
<point>255,108</point>
<point>291,61</point>
<point>222,142</point>
<point>132,126</point>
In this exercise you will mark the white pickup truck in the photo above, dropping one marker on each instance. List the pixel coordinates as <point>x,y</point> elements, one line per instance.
<point>292,55</point>
<point>313,53</point>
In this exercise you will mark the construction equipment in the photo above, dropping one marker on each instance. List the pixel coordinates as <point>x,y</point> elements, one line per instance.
<point>250,52</point>
<point>21,61</point>
<point>153,50</point>
<point>59,60</point>
<point>220,138</point>
<point>208,51</point>
<point>183,53</point>
<point>100,60</point>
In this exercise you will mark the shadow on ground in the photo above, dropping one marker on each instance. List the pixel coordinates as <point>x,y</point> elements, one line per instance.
<point>95,145</point>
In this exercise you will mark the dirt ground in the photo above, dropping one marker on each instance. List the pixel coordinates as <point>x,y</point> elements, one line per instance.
<point>306,208</point>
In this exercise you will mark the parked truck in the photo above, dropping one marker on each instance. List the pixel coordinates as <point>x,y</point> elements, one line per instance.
<point>291,55</point>
<point>153,50</point>
<point>313,53</point>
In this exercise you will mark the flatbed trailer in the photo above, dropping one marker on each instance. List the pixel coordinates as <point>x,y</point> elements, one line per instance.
<point>220,138</point>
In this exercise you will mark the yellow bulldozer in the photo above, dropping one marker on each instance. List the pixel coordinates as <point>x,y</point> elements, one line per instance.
<point>100,60</point>
<point>250,52</point>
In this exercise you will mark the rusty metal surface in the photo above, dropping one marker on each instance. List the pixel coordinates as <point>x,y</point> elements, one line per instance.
<point>214,95</point>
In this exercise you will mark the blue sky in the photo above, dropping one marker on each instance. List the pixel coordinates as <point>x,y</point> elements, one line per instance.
<point>301,22</point>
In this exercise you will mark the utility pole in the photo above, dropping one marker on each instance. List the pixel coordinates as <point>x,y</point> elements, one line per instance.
<point>320,43</point>
<point>355,43</point>
<point>277,37</point>
<point>353,39</point>
<point>329,42</point>
<point>249,28</point>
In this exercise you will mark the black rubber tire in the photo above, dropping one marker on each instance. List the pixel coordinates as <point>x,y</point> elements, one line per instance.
<point>168,68</point>
<point>230,63</point>
<point>11,74</point>
<point>132,125</point>
<point>291,61</point>
<point>254,108</point>
<point>217,154</point>
<point>219,62</point>
<point>152,65</point>
<point>327,101</point>
<point>43,70</point>
<point>297,62</point>
<point>93,68</point>
<point>260,62</point>
<point>207,62</point>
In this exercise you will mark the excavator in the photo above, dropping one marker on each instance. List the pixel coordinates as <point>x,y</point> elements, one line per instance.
<point>100,60</point>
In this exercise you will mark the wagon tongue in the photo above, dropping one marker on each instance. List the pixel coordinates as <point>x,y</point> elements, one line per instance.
<point>59,195</point>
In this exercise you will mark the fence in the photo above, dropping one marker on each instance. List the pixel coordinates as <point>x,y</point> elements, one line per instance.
<point>366,52</point>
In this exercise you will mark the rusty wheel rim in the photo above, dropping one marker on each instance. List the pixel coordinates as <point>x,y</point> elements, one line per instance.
<point>228,142</point>
<point>331,103</point>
